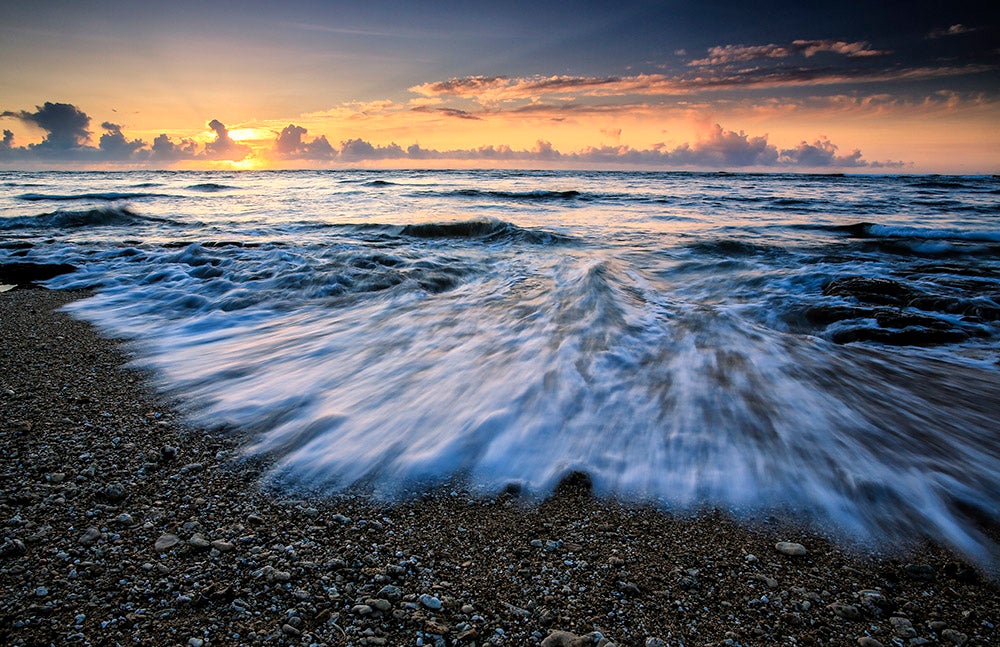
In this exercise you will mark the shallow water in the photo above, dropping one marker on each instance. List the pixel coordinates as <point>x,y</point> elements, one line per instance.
<point>671,334</point>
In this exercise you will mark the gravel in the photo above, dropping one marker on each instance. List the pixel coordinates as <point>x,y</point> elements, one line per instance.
<point>122,525</point>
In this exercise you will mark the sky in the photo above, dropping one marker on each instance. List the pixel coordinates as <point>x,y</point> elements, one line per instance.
<point>868,87</point>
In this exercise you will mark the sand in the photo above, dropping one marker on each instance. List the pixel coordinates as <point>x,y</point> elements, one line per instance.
<point>123,525</point>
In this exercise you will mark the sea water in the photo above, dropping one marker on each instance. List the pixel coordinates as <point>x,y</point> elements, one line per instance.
<point>679,337</point>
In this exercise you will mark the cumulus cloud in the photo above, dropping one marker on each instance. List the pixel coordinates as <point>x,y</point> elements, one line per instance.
<point>115,146</point>
<point>718,149</point>
<point>165,150</point>
<point>8,140</point>
<point>290,145</point>
<point>65,125</point>
<point>224,148</point>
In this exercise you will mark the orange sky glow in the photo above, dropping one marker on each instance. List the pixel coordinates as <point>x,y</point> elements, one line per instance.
<point>258,93</point>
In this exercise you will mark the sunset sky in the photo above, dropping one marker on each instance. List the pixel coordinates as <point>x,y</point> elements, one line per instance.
<point>871,87</point>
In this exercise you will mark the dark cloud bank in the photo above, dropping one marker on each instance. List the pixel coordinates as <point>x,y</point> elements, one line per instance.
<point>68,137</point>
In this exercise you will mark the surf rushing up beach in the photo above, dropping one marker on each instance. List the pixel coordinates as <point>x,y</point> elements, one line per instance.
<point>456,407</point>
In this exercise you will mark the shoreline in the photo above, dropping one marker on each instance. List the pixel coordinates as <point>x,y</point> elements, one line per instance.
<point>123,525</point>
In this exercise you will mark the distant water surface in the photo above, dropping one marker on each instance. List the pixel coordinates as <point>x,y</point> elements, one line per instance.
<point>828,343</point>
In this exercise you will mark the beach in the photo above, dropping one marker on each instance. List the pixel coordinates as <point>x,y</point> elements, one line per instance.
<point>125,524</point>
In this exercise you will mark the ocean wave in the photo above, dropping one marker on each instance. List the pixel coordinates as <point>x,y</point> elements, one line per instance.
<point>481,230</point>
<point>107,196</point>
<point>532,196</point>
<point>210,187</point>
<point>102,217</point>
<point>874,230</point>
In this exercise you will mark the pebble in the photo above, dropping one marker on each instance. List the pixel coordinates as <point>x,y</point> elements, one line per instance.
<point>90,536</point>
<point>199,542</point>
<point>868,641</point>
<point>954,637</point>
<point>902,627</point>
<point>166,542</point>
<point>391,593</point>
<point>921,572</point>
<point>195,642</point>
<point>289,630</point>
<point>429,601</point>
<point>790,548</point>
<point>223,546</point>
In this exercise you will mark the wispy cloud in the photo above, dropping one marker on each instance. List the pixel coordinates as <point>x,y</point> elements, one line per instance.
<point>727,54</point>
<point>491,91</point>
<point>953,30</point>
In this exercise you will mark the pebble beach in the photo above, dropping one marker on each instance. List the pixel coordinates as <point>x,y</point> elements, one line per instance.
<point>122,524</point>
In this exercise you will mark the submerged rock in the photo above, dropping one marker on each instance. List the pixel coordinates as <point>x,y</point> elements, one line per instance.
<point>29,273</point>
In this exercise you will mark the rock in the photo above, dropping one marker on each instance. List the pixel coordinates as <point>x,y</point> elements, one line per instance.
<point>125,519</point>
<point>199,542</point>
<point>954,637</point>
<point>902,627</point>
<point>168,453</point>
<point>790,548</point>
<point>655,642</point>
<point>361,610</point>
<point>166,542</point>
<point>868,290</point>
<point>28,273</point>
<point>868,641</point>
<point>195,642</point>
<point>391,593</point>
<point>13,548</point>
<point>90,536</point>
<point>223,546</point>
<point>566,639</point>
<point>430,601</point>
<point>921,572</point>
<point>114,493</point>
<point>845,611</point>
<point>380,604</point>
<point>289,630</point>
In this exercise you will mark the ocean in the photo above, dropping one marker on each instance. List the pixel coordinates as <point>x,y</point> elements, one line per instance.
<point>822,344</point>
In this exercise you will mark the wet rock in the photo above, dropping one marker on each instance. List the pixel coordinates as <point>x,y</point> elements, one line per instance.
<point>166,542</point>
<point>903,337</point>
<point>869,290</point>
<point>90,536</point>
<point>29,273</point>
<point>790,548</point>
<point>920,572</point>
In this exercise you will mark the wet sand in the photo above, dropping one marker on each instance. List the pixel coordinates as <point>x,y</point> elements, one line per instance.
<point>123,525</point>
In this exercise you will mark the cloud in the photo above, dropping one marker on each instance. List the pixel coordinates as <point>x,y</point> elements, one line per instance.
<point>953,30</point>
<point>289,145</point>
<point>165,150</point>
<point>493,91</point>
<point>8,140</point>
<point>356,150</point>
<point>449,112</point>
<point>114,146</point>
<point>224,148</point>
<point>718,149</point>
<point>727,54</point>
<point>65,125</point>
